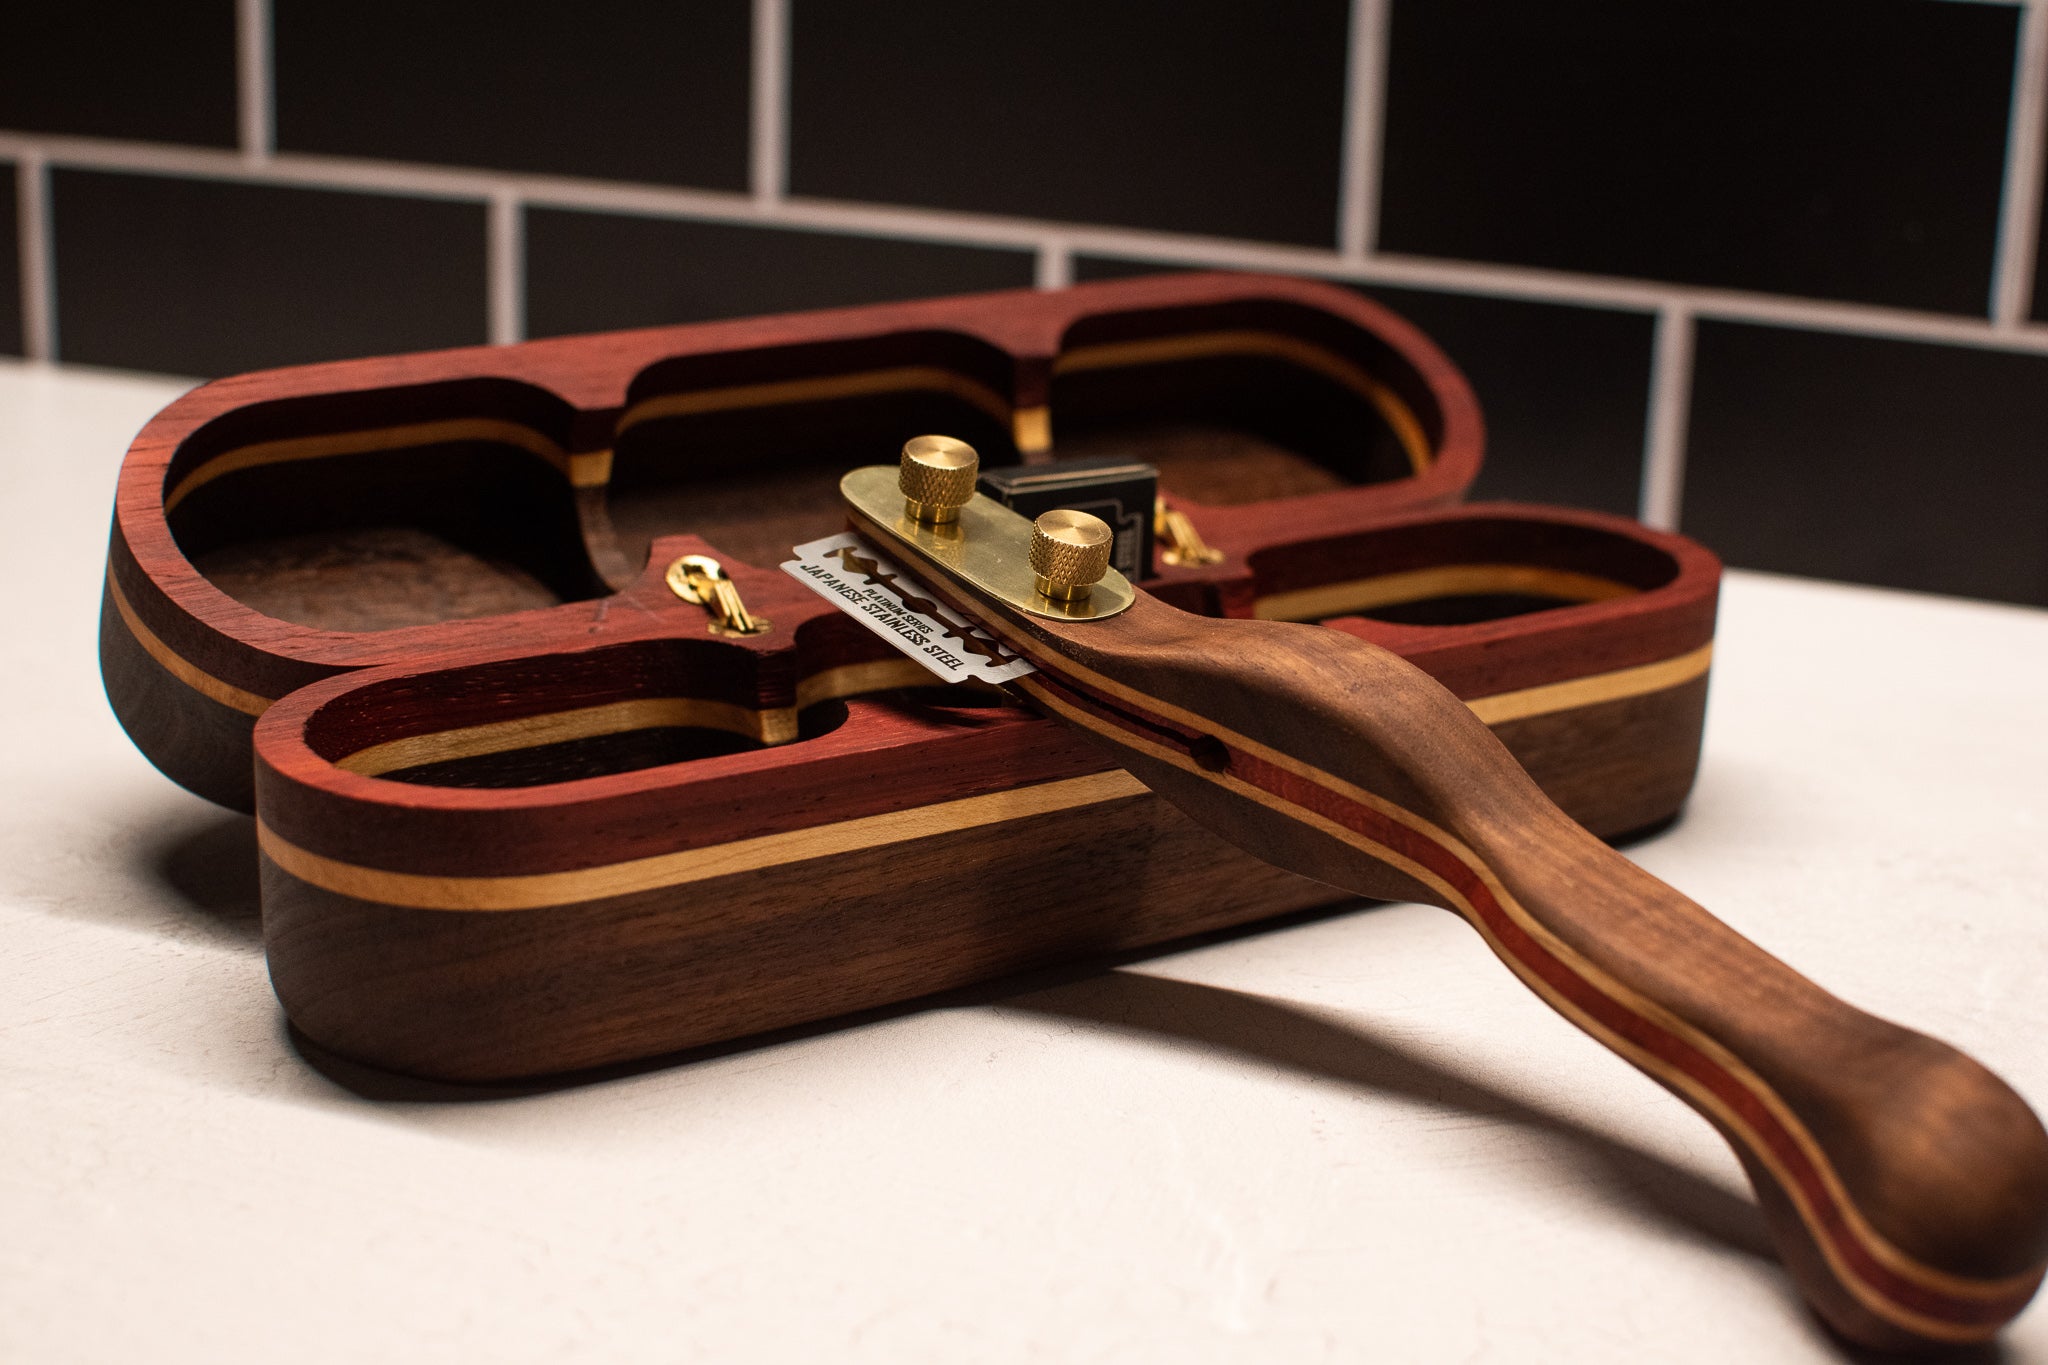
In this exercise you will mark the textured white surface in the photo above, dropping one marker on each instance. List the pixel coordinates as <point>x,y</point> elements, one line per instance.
<point>1352,1139</point>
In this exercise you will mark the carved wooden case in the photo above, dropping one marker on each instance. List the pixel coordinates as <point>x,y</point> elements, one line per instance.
<point>522,811</point>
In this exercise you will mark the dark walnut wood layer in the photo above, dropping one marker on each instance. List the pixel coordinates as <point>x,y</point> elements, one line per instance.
<point>413,987</point>
<point>489,995</point>
<point>1906,1185</point>
<point>422,789</point>
<point>539,759</point>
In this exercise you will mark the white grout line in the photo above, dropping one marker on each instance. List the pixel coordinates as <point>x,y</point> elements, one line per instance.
<point>505,269</point>
<point>768,169</point>
<point>38,265</point>
<point>1034,235</point>
<point>1055,265</point>
<point>1671,374</point>
<point>938,225</point>
<point>2019,211</point>
<point>255,93</point>
<point>1365,104</point>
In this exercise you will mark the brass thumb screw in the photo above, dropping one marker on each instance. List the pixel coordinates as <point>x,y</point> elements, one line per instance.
<point>1069,553</point>
<point>937,477</point>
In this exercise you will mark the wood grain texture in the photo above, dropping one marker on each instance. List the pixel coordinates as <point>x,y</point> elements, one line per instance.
<point>274,529</point>
<point>386,913</point>
<point>1906,1185</point>
<point>429,590</point>
<point>564,849</point>
<point>467,996</point>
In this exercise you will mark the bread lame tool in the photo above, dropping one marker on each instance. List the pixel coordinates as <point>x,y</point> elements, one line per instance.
<point>1905,1185</point>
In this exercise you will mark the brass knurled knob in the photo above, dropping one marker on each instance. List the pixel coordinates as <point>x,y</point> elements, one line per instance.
<point>1069,553</point>
<point>937,477</point>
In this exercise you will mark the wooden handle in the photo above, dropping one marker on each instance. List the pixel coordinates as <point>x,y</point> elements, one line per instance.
<point>1906,1186</point>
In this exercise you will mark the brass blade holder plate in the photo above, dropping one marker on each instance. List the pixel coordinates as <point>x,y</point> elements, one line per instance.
<point>982,543</point>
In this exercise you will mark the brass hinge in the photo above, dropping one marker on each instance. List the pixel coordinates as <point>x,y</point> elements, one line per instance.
<point>1179,542</point>
<point>701,579</point>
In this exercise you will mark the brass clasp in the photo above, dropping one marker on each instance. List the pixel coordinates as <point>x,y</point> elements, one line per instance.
<point>701,579</point>
<point>1179,542</point>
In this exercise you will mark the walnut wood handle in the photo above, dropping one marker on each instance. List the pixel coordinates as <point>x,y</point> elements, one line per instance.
<point>1906,1186</point>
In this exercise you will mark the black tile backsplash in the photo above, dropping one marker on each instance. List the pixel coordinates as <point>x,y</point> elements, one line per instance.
<point>1201,116</point>
<point>12,340</point>
<point>1840,149</point>
<point>605,89</point>
<point>163,70</point>
<point>613,89</point>
<point>586,272</point>
<point>1845,151</point>
<point>208,277</point>
<point>1896,463</point>
<point>1564,389</point>
<point>2038,311</point>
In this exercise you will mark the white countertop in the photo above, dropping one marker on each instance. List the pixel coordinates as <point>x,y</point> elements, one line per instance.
<point>1351,1139</point>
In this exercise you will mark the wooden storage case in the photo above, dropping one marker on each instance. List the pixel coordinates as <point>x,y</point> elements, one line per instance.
<point>522,812</point>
